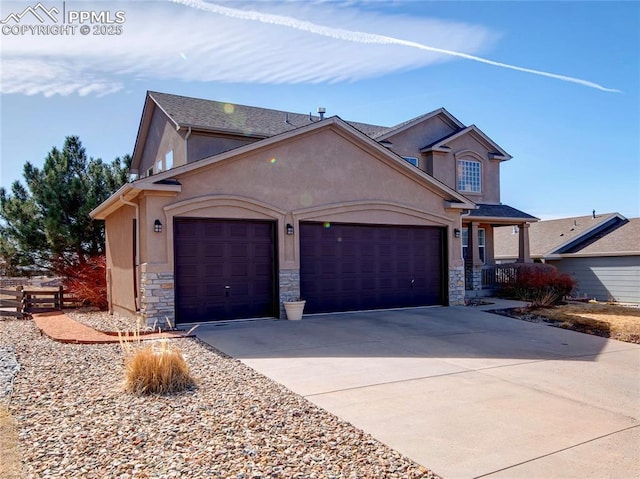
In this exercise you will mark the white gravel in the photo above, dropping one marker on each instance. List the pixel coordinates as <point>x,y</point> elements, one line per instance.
<point>75,421</point>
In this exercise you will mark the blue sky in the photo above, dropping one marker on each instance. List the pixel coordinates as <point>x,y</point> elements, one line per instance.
<point>575,143</point>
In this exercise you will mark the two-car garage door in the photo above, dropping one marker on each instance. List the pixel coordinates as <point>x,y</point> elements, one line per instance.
<point>347,267</point>
<point>227,269</point>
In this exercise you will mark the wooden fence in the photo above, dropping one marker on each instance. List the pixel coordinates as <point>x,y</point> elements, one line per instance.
<point>24,302</point>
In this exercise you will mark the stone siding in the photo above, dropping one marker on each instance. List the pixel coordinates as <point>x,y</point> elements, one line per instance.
<point>289,283</point>
<point>456,285</point>
<point>157,297</point>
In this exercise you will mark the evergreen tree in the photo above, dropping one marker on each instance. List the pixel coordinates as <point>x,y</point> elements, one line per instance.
<point>47,225</point>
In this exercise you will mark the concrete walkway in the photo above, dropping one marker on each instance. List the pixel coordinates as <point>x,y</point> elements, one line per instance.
<point>461,391</point>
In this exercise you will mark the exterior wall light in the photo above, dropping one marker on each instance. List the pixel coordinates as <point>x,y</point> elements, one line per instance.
<point>456,233</point>
<point>157,226</point>
<point>289,229</point>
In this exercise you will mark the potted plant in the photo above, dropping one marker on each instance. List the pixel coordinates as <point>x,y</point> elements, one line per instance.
<point>294,309</point>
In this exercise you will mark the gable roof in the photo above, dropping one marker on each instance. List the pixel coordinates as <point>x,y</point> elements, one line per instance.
<point>160,181</point>
<point>405,125</point>
<point>498,154</point>
<point>560,236</point>
<point>216,116</point>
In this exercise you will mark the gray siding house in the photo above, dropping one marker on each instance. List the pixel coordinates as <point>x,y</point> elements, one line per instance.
<point>601,252</point>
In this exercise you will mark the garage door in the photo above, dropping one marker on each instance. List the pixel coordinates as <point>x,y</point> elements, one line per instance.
<point>356,267</point>
<point>224,269</point>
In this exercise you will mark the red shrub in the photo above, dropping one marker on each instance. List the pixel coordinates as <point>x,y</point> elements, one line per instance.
<point>539,283</point>
<point>88,281</point>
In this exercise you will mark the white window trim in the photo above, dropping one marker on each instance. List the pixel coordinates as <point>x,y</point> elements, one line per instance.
<point>459,169</point>
<point>464,243</point>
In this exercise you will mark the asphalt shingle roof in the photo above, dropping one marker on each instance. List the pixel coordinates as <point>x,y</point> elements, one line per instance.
<point>625,238</point>
<point>499,211</point>
<point>247,120</point>
<point>549,236</point>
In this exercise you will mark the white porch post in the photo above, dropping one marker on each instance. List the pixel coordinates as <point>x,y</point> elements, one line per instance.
<point>524,253</point>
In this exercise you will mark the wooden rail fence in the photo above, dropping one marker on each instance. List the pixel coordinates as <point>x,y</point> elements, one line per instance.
<point>24,302</point>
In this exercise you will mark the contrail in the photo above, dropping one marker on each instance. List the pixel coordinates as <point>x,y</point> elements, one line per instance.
<point>368,38</point>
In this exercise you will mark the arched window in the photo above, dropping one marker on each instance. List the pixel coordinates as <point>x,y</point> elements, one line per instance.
<point>469,175</point>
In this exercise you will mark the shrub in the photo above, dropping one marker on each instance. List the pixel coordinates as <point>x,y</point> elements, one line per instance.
<point>155,369</point>
<point>541,284</point>
<point>87,281</point>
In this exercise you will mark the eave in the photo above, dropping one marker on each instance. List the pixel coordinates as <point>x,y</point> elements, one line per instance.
<point>127,193</point>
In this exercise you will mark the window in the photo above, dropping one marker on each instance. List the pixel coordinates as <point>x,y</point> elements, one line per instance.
<point>481,242</point>
<point>159,166</point>
<point>150,171</point>
<point>411,159</point>
<point>469,177</point>
<point>465,242</point>
<point>168,160</point>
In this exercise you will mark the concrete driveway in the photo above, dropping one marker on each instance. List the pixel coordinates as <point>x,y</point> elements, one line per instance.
<point>461,391</point>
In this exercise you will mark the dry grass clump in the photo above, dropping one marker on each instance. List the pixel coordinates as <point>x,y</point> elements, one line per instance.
<point>611,321</point>
<point>158,368</point>
<point>10,467</point>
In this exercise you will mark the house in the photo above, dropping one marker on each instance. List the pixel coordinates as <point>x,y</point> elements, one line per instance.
<point>236,209</point>
<point>600,251</point>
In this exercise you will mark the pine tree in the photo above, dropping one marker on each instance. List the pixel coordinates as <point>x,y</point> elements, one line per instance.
<point>47,225</point>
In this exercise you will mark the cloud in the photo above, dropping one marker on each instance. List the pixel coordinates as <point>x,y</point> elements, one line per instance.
<point>168,41</point>
<point>267,42</point>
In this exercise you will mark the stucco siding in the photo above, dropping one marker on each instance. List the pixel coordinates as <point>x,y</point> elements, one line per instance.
<point>202,146</point>
<point>409,142</point>
<point>320,169</point>
<point>120,260</point>
<point>464,147</point>
<point>604,278</point>
<point>162,138</point>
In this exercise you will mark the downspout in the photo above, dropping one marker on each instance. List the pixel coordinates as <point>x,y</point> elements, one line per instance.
<point>137,259</point>
<point>186,146</point>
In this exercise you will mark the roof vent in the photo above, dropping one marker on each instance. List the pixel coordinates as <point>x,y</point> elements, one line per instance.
<point>593,213</point>
<point>321,111</point>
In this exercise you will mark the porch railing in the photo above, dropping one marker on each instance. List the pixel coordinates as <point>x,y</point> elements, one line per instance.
<point>492,276</point>
<point>497,275</point>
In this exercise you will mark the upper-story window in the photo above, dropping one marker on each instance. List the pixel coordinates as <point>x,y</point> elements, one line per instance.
<point>411,159</point>
<point>469,176</point>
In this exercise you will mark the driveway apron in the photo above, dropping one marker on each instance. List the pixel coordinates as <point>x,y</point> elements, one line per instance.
<point>462,391</point>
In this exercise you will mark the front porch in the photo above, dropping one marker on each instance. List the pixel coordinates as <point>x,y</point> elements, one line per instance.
<point>483,277</point>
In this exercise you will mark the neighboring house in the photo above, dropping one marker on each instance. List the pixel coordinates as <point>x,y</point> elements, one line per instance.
<point>601,252</point>
<point>237,209</point>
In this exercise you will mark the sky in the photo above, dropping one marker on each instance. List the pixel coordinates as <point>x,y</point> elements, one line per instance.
<point>555,83</point>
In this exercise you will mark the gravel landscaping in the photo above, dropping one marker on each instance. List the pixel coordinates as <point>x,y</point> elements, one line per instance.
<point>74,420</point>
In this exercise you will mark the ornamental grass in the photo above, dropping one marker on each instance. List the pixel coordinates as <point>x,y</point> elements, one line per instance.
<point>156,367</point>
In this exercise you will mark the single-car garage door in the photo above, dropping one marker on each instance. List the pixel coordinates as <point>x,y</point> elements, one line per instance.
<point>224,269</point>
<point>345,267</point>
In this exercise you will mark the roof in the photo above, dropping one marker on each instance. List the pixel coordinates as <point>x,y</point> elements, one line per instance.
<point>246,120</point>
<point>623,239</point>
<point>441,112</point>
<point>500,212</point>
<point>161,181</point>
<point>566,236</point>
<point>499,153</point>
